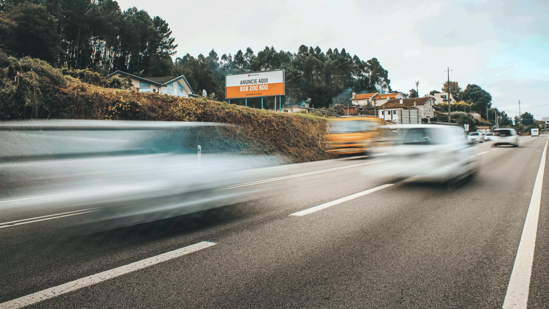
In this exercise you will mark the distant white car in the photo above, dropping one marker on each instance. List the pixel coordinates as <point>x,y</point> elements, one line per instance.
<point>475,137</point>
<point>506,137</point>
<point>488,136</point>
<point>534,132</point>
<point>429,153</point>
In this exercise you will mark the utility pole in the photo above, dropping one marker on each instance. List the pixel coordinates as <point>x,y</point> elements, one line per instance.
<point>417,88</point>
<point>449,100</point>
<point>519,113</point>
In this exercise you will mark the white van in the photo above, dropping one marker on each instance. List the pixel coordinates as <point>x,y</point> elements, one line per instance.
<point>534,132</point>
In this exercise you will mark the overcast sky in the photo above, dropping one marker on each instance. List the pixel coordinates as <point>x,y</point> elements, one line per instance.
<point>502,46</point>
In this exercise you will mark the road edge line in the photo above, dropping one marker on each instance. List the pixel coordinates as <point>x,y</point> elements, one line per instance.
<point>519,282</point>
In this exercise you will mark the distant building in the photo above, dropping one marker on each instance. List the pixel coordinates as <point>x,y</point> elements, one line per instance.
<point>375,99</point>
<point>443,98</point>
<point>423,105</point>
<point>173,85</point>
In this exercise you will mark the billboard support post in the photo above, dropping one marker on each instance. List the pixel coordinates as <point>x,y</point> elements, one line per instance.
<point>280,103</point>
<point>261,102</point>
<point>246,102</point>
<point>229,101</point>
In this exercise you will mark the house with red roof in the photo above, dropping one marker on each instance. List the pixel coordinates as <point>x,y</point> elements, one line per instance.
<point>374,99</point>
<point>394,107</point>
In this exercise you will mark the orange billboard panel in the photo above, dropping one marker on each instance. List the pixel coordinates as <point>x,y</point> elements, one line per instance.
<point>255,85</point>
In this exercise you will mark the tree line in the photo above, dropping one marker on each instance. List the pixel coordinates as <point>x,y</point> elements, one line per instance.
<point>310,72</point>
<point>97,35</point>
<point>87,34</point>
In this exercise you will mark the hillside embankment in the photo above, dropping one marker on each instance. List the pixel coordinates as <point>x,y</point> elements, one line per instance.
<point>31,89</point>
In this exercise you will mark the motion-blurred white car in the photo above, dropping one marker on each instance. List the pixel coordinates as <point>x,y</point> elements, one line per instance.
<point>488,136</point>
<point>475,137</point>
<point>506,137</point>
<point>128,171</point>
<point>430,153</point>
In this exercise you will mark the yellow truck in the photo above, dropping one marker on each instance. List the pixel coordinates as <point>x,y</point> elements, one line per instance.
<point>353,135</point>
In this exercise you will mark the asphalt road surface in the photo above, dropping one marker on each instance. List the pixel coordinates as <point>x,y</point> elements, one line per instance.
<point>371,244</point>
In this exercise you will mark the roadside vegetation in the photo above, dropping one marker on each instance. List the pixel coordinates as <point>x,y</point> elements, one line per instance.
<point>32,89</point>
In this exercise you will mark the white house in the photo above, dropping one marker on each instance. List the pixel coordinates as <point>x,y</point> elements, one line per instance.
<point>443,98</point>
<point>423,105</point>
<point>374,98</point>
<point>177,86</point>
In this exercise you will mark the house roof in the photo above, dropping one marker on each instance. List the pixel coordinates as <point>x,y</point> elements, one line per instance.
<point>161,80</point>
<point>158,81</point>
<point>395,103</point>
<point>387,96</point>
<point>364,96</point>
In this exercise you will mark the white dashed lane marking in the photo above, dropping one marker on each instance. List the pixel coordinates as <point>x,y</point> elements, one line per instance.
<point>339,201</point>
<point>103,276</point>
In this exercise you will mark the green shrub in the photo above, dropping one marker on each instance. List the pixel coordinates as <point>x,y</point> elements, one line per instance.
<point>27,88</point>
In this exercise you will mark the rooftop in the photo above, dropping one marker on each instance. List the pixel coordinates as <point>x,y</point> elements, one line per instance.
<point>395,103</point>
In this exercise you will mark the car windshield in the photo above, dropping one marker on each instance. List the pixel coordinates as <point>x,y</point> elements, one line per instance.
<point>352,126</point>
<point>474,133</point>
<point>422,136</point>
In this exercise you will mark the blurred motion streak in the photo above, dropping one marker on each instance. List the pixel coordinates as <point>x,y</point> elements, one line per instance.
<point>133,171</point>
<point>429,153</point>
<point>352,135</point>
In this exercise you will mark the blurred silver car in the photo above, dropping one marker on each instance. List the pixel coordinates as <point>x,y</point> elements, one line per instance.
<point>506,137</point>
<point>127,171</point>
<point>488,136</point>
<point>430,153</point>
<point>475,137</point>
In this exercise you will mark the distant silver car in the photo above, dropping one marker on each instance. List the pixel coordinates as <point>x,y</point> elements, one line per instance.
<point>475,137</point>
<point>506,137</point>
<point>488,136</point>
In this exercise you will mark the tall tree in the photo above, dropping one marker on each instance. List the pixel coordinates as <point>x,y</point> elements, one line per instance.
<point>29,30</point>
<point>413,93</point>
<point>455,90</point>
<point>480,97</point>
<point>527,119</point>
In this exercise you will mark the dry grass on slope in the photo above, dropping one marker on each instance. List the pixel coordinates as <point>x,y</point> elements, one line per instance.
<point>298,137</point>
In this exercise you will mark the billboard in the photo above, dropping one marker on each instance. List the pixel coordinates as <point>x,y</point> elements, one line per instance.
<point>255,85</point>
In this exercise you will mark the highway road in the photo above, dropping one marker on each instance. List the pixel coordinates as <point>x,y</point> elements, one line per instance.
<point>319,235</point>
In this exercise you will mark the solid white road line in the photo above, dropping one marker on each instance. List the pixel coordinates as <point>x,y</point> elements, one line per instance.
<point>495,149</point>
<point>480,154</point>
<point>103,276</point>
<point>339,201</point>
<point>253,183</point>
<point>519,284</point>
<point>48,216</point>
